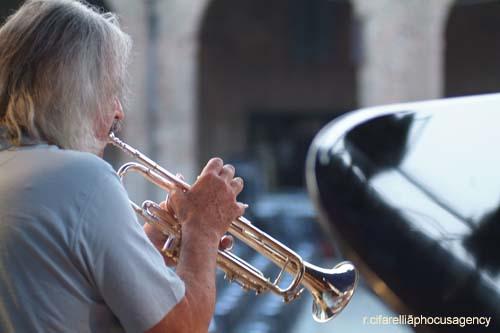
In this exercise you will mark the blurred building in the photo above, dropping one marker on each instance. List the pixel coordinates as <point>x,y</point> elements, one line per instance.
<point>254,80</point>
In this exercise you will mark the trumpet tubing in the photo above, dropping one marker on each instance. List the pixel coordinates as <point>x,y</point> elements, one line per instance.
<point>331,289</point>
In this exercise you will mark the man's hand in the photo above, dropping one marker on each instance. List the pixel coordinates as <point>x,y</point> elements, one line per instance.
<point>217,211</point>
<point>210,205</point>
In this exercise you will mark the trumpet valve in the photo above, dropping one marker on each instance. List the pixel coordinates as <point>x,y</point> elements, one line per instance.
<point>226,243</point>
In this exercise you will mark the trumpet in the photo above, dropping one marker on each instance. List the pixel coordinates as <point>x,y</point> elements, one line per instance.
<point>331,289</point>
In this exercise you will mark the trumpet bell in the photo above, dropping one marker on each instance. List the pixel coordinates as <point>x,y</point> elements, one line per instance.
<point>331,288</point>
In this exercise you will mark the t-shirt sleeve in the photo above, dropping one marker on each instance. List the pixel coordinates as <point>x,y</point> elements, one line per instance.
<point>124,267</point>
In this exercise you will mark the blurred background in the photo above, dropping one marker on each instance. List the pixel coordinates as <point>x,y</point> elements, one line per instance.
<point>253,81</point>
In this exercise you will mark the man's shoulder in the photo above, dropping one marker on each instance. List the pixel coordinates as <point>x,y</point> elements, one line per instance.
<point>63,168</point>
<point>82,162</point>
<point>74,163</point>
<point>55,182</point>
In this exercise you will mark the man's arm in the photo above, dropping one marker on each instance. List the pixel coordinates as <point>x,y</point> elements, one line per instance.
<point>205,212</point>
<point>197,269</point>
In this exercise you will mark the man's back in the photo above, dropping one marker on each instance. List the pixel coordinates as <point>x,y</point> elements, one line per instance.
<point>55,245</point>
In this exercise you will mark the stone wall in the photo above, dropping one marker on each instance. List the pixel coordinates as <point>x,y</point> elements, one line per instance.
<point>402,50</point>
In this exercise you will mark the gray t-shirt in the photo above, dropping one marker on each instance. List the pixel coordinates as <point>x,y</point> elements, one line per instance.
<point>73,257</point>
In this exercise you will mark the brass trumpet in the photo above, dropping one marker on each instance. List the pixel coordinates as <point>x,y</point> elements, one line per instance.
<point>331,289</point>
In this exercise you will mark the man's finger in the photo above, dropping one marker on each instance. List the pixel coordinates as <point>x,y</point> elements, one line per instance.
<point>241,208</point>
<point>227,172</point>
<point>213,166</point>
<point>237,185</point>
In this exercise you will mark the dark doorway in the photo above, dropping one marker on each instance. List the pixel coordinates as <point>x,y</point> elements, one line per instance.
<point>473,48</point>
<point>273,72</point>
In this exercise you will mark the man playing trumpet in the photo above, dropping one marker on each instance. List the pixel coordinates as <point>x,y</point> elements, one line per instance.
<point>72,254</point>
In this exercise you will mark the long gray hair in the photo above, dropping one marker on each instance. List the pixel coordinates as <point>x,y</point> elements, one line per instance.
<point>62,64</point>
